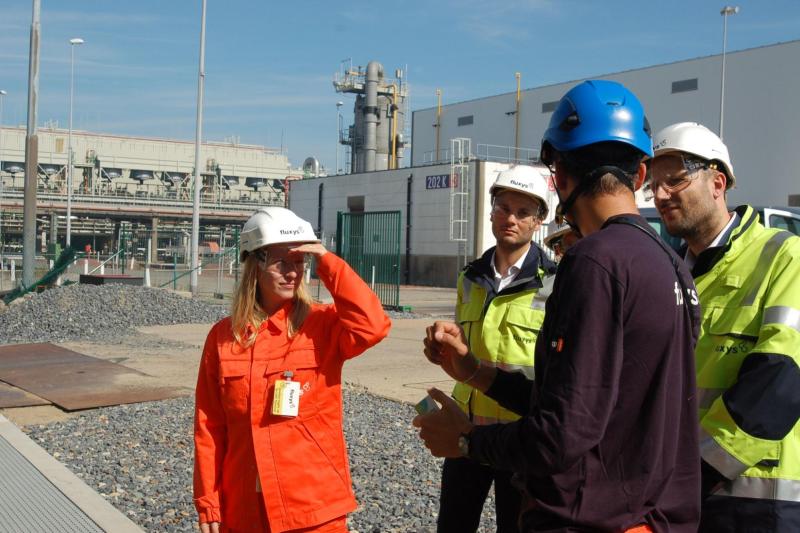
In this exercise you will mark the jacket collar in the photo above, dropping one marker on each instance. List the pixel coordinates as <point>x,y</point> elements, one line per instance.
<point>480,271</point>
<point>278,320</point>
<point>713,255</point>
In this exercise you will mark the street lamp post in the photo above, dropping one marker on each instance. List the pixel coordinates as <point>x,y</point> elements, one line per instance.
<point>72,44</point>
<point>2,94</point>
<point>338,132</point>
<point>198,140</point>
<point>727,10</point>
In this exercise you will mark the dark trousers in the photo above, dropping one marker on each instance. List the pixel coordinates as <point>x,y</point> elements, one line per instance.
<point>465,485</point>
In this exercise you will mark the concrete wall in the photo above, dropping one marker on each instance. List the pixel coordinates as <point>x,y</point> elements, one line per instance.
<point>762,116</point>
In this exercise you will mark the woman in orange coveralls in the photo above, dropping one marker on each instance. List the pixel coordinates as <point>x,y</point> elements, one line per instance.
<point>256,471</point>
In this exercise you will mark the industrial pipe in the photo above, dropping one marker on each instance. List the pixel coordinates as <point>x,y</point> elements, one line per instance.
<point>393,155</point>
<point>371,115</point>
<point>438,124</point>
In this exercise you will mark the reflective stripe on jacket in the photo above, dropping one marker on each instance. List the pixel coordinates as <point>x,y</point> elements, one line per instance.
<point>297,467</point>
<point>747,362</point>
<point>501,328</point>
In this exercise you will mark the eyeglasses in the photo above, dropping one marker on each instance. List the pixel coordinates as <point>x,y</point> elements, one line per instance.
<point>675,172</point>
<point>503,211</point>
<point>282,265</point>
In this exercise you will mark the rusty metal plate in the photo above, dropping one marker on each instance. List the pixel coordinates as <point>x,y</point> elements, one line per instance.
<point>11,396</point>
<point>75,381</point>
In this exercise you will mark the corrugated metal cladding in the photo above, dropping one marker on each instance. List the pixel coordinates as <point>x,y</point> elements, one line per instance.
<point>761,115</point>
<point>29,502</point>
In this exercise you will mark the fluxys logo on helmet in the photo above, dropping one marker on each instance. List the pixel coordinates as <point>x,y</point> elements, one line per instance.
<point>660,144</point>
<point>297,231</point>
<point>519,184</point>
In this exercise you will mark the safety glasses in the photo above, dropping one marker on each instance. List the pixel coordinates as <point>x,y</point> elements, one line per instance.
<point>282,265</point>
<point>674,172</point>
<point>501,210</point>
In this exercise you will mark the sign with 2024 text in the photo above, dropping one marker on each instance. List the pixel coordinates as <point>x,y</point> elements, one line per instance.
<point>441,181</point>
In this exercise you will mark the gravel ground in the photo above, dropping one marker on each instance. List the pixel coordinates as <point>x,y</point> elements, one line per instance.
<point>98,312</point>
<point>139,457</point>
<point>104,312</point>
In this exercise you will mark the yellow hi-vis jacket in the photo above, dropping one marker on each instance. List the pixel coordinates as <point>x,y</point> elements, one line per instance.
<point>501,328</point>
<point>748,377</point>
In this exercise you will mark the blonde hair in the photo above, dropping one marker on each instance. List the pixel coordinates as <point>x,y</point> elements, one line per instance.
<point>246,312</point>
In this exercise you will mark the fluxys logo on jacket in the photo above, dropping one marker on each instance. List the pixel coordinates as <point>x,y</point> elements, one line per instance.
<point>691,292</point>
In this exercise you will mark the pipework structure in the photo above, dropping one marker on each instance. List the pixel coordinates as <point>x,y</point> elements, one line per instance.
<point>375,139</point>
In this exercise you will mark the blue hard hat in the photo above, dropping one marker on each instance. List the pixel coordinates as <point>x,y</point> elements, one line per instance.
<point>598,111</point>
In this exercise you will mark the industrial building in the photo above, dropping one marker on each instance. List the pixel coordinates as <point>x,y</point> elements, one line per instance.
<point>442,198</point>
<point>145,167</point>
<point>443,210</point>
<point>761,117</point>
<point>457,150</point>
<point>135,180</point>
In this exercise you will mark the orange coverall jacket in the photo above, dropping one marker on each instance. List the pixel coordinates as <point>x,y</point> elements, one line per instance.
<point>300,463</point>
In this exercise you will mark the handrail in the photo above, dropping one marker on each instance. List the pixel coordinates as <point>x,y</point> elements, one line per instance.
<point>212,205</point>
<point>224,252</point>
<point>95,269</point>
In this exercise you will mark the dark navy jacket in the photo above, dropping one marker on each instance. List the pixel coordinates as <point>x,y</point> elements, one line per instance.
<point>609,439</point>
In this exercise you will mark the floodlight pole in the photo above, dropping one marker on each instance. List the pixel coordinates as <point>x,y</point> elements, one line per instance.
<point>198,180</point>
<point>2,94</point>
<point>727,10</point>
<point>72,44</point>
<point>31,154</point>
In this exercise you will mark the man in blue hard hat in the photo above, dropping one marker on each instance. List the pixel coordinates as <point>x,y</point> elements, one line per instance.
<point>608,439</point>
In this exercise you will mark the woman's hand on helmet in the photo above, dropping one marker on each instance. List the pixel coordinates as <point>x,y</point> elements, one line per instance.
<point>316,249</point>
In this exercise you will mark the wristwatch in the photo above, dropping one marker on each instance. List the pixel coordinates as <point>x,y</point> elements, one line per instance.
<point>463,444</point>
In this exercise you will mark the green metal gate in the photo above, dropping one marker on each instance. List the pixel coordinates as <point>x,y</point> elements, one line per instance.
<point>370,243</point>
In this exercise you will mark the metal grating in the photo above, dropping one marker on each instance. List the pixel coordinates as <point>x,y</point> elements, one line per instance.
<point>30,503</point>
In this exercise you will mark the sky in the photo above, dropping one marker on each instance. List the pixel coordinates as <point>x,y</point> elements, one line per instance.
<point>270,64</point>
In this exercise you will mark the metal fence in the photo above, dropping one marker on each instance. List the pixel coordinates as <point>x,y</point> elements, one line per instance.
<point>162,258</point>
<point>370,243</point>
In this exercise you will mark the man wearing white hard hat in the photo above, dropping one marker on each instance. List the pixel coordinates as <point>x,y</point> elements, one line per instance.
<point>560,238</point>
<point>268,416</point>
<point>498,309</point>
<point>748,282</point>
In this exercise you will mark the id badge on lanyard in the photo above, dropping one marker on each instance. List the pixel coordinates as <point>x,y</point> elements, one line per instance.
<point>286,399</point>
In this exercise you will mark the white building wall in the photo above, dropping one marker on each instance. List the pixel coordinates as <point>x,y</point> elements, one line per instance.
<point>762,116</point>
<point>433,257</point>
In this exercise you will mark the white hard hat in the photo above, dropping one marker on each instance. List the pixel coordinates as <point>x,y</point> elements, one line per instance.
<point>525,179</point>
<point>555,233</point>
<point>274,225</point>
<point>696,139</point>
